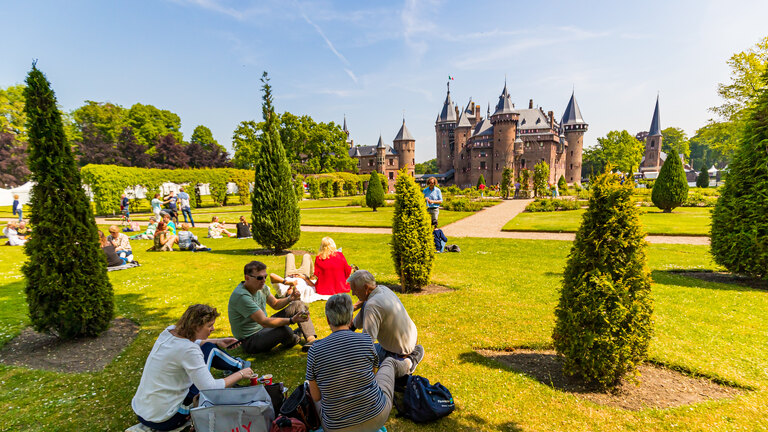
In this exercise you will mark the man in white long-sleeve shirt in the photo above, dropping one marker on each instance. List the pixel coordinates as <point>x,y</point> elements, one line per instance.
<point>383,317</point>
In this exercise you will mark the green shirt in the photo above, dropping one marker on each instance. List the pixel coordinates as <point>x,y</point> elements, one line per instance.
<point>242,304</point>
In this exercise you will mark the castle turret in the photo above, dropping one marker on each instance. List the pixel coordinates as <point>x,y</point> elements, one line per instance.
<point>350,143</point>
<point>381,151</point>
<point>444,126</point>
<point>652,160</point>
<point>504,120</point>
<point>405,145</point>
<point>573,127</point>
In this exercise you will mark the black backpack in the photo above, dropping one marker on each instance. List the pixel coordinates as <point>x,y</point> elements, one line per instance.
<point>421,401</point>
<point>299,405</point>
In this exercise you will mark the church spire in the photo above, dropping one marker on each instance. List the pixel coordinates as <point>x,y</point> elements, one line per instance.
<point>655,129</point>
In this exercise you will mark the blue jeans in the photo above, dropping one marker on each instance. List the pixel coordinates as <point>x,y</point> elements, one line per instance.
<point>188,211</point>
<point>214,357</point>
<point>19,211</point>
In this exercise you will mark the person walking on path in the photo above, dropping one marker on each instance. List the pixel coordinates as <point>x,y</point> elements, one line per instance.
<point>517,190</point>
<point>17,207</point>
<point>434,198</point>
<point>186,210</point>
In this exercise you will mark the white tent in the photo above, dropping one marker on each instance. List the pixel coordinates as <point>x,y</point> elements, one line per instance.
<point>23,191</point>
<point>712,171</point>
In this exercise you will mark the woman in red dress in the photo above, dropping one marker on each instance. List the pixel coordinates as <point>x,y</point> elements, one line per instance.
<point>331,269</point>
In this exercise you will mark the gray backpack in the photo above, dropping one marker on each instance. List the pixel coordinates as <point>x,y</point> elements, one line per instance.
<point>243,409</point>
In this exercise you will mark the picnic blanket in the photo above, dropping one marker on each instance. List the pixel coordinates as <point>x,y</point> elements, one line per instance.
<point>124,266</point>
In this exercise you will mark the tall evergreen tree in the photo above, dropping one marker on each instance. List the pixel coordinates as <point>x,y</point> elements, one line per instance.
<point>739,239</point>
<point>374,195</point>
<point>603,320</point>
<point>670,189</point>
<point>275,209</point>
<point>413,246</point>
<point>702,180</point>
<point>68,291</point>
<point>480,181</point>
<point>506,182</point>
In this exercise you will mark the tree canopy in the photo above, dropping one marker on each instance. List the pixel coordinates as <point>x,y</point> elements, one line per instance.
<point>617,148</point>
<point>675,141</point>
<point>428,167</point>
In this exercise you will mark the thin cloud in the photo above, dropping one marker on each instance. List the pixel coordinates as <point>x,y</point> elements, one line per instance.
<point>218,7</point>
<point>413,25</point>
<point>351,75</point>
<point>333,49</point>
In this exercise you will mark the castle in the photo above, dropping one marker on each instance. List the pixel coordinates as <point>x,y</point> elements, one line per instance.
<point>384,159</point>
<point>469,145</point>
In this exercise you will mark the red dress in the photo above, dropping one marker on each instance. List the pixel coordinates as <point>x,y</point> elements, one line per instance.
<point>332,274</point>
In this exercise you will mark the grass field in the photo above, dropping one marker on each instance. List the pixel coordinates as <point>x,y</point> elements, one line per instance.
<point>711,329</point>
<point>682,221</point>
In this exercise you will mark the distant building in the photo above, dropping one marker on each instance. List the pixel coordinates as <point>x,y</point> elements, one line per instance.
<point>469,145</point>
<point>653,157</point>
<point>384,159</point>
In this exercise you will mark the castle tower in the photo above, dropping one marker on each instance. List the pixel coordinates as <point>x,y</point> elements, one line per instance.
<point>574,127</point>
<point>652,161</point>
<point>405,145</point>
<point>381,151</point>
<point>350,143</point>
<point>444,126</point>
<point>504,120</point>
<point>462,133</point>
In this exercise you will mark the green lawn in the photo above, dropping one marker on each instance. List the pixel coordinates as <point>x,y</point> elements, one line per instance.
<point>711,329</point>
<point>318,216</point>
<point>682,221</point>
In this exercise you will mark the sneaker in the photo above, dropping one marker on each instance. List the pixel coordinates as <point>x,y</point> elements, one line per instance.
<point>415,357</point>
<point>309,343</point>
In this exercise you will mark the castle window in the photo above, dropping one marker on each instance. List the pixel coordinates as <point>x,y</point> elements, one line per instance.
<point>391,162</point>
<point>482,165</point>
<point>571,152</point>
<point>571,166</point>
<point>652,144</point>
<point>462,156</point>
<point>483,154</point>
<point>391,175</point>
<point>497,167</point>
<point>370,162</point>
<point>522,163</point>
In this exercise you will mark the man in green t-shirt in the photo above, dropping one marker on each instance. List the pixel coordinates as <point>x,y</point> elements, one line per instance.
<point>248,314</point>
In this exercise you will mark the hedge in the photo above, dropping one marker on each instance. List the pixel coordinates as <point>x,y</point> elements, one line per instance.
<point>108,182</point>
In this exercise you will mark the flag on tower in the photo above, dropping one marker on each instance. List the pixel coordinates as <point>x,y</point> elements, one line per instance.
<point>450,77</point>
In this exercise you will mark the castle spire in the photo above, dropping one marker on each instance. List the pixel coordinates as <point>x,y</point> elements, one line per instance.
<point>572,115</point>
<point>448,113</point>
<point>404,134</point>
<point>655,129</point>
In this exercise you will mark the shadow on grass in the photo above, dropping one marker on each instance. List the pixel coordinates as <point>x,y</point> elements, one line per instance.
<point>136,307</point>
<point>256,252</point>
<point>708,279</point>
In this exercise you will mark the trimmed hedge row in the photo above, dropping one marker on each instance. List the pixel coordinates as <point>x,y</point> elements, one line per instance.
<point>550,205</point>
<point>108,182</point>
<point>338,184</point>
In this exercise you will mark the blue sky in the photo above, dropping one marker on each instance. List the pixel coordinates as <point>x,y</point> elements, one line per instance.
<point>378,61</point>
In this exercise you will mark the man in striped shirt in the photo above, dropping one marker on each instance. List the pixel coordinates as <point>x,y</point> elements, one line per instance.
<point>340,374</point>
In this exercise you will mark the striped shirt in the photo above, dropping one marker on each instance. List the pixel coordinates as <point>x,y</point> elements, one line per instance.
<point>342,365</point>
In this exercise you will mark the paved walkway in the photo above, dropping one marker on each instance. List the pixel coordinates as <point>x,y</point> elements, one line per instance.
<point>486,223</point>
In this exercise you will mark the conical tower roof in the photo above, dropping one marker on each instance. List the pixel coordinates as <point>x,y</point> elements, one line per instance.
<point>381,143</point>
<point>356,153</point>
<point>655,129</point>
<point>344,128</point>
<point>468,109</point>
<point>505,102</point>
<point>448,114</point>
<point>572,114</point>
<point>404,134</point>
<point>463,121</point>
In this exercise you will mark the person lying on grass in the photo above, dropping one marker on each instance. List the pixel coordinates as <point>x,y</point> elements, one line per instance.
<point>341,378</point>
<point>179,365</point>
<point>249,320</point>
<point>384,318</point>
<point>216,229</point>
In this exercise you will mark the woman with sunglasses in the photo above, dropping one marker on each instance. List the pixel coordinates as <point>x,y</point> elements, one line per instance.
<point>179,365</point>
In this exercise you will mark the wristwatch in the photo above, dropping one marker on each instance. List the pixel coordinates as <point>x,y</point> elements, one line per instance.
<point>290,320</point>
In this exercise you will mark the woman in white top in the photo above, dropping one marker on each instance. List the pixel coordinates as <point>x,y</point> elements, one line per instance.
<point>179,365</point>
<point>13,235</point>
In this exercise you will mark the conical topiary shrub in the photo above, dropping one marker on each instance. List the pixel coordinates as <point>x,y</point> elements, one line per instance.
<point>739,237</point>
<point>480,181</point>
<point>562,184</point>
<point>68,291</point>
<point>413,246</point>
<point>374,196</point>
<point>603,320</point>
<point>702,180</point>
<point>670,189</point>
<point>506,183</point>
<point>275,210</point>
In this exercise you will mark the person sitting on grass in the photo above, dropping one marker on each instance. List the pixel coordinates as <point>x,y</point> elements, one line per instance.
<point>340,372</point>
<point>248,314</point>
<point>331,269</point>
<point>383,317</point>
<point>149,233</point>
<point>164,240</point>
<point>169,224</point>
<point>109,250</point>
<point>121,243</point>
<point>440,238</point>
<point>216,229</point>
<point>243,229</point>
<point>179,365</point>
<point>297,278</point>
<point>188,241</point>
<point>11,232</point>
<point>23,230</point>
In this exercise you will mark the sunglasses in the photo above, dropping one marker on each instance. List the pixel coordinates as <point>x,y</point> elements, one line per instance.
<point>257,277</point>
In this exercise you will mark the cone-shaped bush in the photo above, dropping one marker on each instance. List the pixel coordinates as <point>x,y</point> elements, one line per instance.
<point>480,181</point>
<point>276,217</point>
<point>413,246</point>
<point>68,291</point>
<point>603,320</point>
<point>562,184</point>
<point>739,239</point>
<point>374,196</point>
<point>506,182</point>
<point>702,180</point>
<point>670,189</point>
